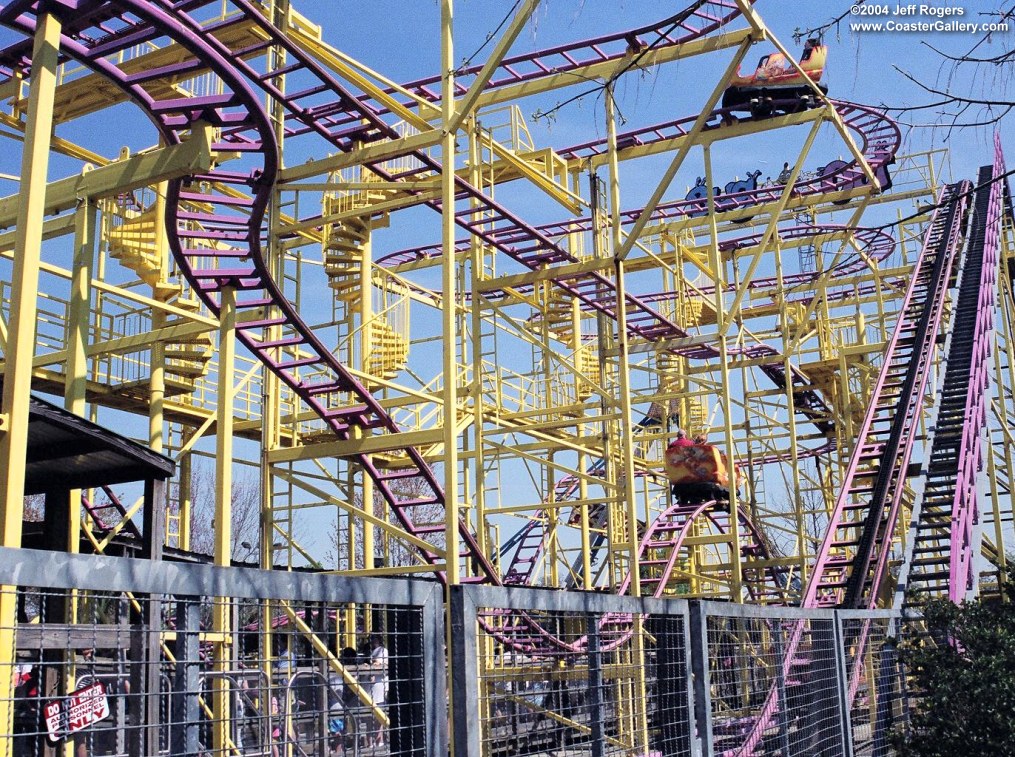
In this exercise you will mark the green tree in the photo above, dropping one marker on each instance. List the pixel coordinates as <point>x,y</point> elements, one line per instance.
<point>964,678</point>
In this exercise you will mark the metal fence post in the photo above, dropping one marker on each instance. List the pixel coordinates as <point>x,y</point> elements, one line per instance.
<point>185,717</point>
<point>595,680</point>
<point>700,677</point>
<point>672,680</point>
<point>842,688</point>
<point>435,673</point>
<point>464,672</point>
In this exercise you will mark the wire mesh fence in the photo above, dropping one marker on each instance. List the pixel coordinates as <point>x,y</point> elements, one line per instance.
<point>774,684</point>
<point>267,663</point>
<point>570,673</point>
<point>875,681</point>
<point>111,656</point>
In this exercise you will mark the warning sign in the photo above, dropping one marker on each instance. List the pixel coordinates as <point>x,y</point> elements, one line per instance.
<point>75,712</point>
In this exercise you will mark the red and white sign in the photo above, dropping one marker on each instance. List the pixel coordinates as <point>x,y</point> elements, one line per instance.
<point>76,712</point>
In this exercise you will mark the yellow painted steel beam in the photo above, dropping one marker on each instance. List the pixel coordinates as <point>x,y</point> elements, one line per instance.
<point>604,70</point>
<point>373,153</point>
<point>467,104</point>
<point>348,679</point>
<point>91,93</point>
<point>449,307</point>
<point>343,448</point>
<point>571,201</point>
<point>394,148</point>
<point>185,159</point>
<point>14,411</point>
<point>711,136</point>
<point>65,225</point>
<point>358,512</point>
<point>773,225</point>
<point>543,274</point>
<point>58,144</point>
<point>30,207</point>
<point>222,611</point>
<point>126,344</point>
<point>692,135</point>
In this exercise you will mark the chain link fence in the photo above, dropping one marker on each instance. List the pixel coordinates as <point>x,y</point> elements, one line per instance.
<point>113,656</point>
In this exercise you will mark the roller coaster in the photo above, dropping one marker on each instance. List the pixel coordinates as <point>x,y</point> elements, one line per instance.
<point>263,287</point>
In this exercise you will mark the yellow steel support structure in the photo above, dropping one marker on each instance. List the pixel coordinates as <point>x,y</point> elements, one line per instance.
<point>449,303</point>
<point>543,409</point>
<point>222,611</point>
<point>21,328</point>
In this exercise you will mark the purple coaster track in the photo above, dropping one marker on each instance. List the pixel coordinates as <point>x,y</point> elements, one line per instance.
<point>866,510</point>
<point>698,19</point>
<point>659,551</point>
<point>940,562</point>
<point>880,460</point>
<point>879,135</point>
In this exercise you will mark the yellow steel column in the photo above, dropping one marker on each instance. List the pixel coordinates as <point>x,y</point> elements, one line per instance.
<point>448,292</point>
<point>21,329</point>
<point>477,274</point>
<point>583,486</point>
<point>78,332</point>
<point>25,279</point>
<point>79,307</point>
<point>718,269</point>
<point>627,441</point>
<point>76,373</point>
<point>223,508</point>
<point>640,737</point>
<point>797,495</point>
<point>366,336</point>
<point>157,379</point>
<point>449,394</point>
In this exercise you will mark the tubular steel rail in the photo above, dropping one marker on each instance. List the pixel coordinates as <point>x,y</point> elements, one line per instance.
<point>880,141</point>
<point>697,20</point>
<point>940,564</point>
<point>662,546</point>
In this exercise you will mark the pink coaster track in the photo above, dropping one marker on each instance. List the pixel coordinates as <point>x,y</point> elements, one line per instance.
<point>867,508</point>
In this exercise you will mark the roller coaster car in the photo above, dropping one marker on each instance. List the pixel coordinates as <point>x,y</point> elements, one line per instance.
<point>697,472</point>
<point>775,79</point>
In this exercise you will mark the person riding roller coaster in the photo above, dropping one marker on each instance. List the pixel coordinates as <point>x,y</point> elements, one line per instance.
<point>775,80</point>
<point>697,471</point>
